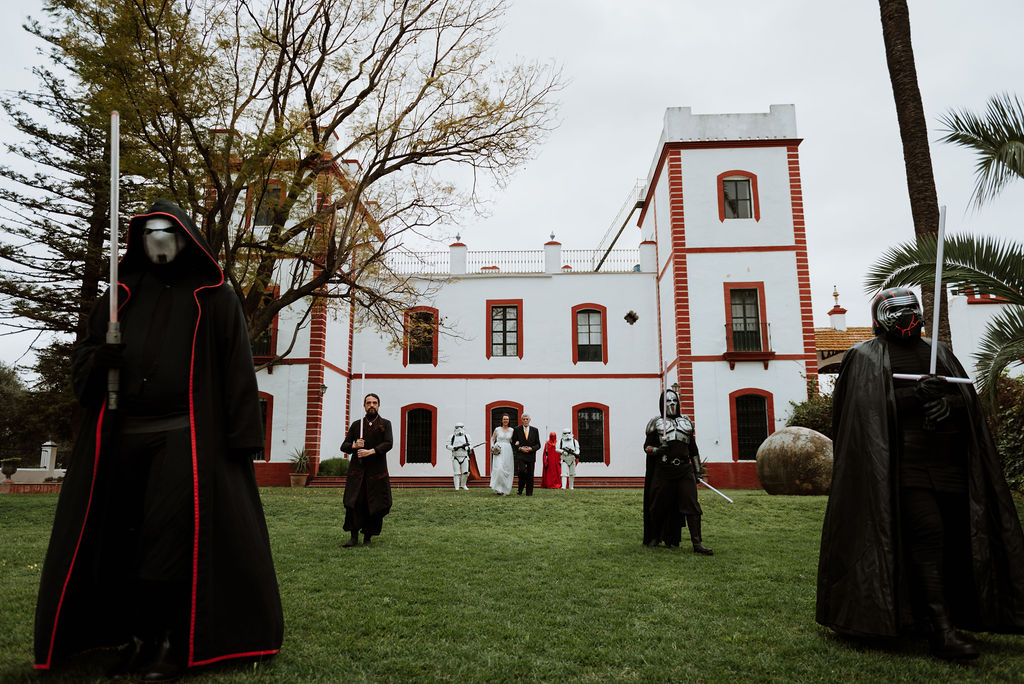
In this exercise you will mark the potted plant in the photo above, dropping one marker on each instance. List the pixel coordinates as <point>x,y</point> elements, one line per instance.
<point>300,467</point>
<point>9,466</point>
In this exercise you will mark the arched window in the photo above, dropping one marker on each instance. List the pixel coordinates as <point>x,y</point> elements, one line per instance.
<point>267,418</point>
<point>419,434</point>
<point>737,196</point>
<point>492,419</point>
<point>590,425</point>
<point>752,415</point>
<point>589,333</point>
<point>421,324</point>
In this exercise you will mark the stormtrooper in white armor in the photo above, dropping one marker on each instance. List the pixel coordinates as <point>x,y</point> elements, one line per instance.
<point>569,449</point>
<point>458,444</point>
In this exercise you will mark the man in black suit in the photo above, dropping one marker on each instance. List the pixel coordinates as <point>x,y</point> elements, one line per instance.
<point>525,445</point>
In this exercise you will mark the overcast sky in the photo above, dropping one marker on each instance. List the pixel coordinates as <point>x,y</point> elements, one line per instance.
<point>626,62</point>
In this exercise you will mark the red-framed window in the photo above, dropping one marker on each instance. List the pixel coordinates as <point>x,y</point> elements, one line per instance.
<point>262,204</point>
<point>751,420</point>
<point>589,333</point>
<point>504,327</point>
<point>421,332</point>
<point>264,346</point>
<point>746,323</point>
<point>419,434</point>
<point>492,419</point>
<point>591,425</point>
<point>737,195</point>
<point>267,416</point>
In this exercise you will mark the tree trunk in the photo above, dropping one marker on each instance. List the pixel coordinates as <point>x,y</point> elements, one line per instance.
<point>924,205</point>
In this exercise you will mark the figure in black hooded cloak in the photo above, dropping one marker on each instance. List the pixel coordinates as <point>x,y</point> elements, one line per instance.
<point>159,540</point>
<point>920,532</point>
<point>670,483</point>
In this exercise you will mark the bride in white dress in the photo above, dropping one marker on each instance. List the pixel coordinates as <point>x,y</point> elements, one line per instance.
<point>501,458</point>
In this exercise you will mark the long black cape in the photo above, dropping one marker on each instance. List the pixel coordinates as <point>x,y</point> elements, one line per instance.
<point>862,585</point>
<point>235,608</point>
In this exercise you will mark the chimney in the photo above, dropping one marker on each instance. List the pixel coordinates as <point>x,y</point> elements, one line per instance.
<point>648,257</point>
<point>552,256</point>
<point>837,315</point>
<point>457,257</point>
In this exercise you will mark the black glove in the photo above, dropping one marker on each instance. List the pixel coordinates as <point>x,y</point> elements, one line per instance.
<point>938,410</point>
<point>109,355</point>
<point>245,454</point>
<point>930,388</point>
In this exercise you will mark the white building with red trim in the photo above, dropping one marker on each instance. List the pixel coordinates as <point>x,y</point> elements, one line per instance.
<point>715,296</point>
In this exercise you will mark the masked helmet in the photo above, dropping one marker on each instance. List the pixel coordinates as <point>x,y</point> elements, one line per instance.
<point>162,240</point>
<point>460,428</point>
<point>669,404</point>
<point>896,313</point>
<point>567,431</point>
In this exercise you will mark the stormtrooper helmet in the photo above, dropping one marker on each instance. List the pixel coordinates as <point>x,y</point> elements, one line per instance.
<point>162,240</point>
<point>567,432</point>
<point>897,314</point>
<point>460,429</point>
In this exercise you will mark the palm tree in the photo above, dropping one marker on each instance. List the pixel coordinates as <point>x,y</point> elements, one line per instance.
<point>924,203</point>
<point>981,264</point>
<point>997,139</point>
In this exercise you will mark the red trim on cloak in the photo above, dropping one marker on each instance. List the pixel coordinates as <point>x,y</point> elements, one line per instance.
<point>195,474</point>
<point>81,533</point>
<point>85,518</point>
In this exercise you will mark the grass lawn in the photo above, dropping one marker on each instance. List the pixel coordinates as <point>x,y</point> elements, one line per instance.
<point>471,587</point>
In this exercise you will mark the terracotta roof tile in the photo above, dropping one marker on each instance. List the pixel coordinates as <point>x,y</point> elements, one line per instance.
<point>831,339</point>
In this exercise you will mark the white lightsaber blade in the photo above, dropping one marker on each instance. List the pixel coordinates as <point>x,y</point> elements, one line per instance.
<point>937,307</point>
<point>113,326</point>
<point>362,391</point>
<point>701,480</point>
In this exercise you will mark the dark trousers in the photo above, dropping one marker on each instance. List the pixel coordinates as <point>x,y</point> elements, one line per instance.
<point>151,527</point>
<point>525,465</point>
<point>937,546</point>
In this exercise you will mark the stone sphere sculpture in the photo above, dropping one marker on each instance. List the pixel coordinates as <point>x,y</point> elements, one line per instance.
<point>795,460</point>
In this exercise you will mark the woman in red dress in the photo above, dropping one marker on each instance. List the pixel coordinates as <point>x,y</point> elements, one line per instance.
<point>552,476</point>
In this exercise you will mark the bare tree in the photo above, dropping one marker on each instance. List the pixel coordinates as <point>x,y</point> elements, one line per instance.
<point>310,138</point>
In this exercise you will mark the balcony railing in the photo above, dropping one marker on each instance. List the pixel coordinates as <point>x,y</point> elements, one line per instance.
<point>511,261</point>
<point>748,344</point>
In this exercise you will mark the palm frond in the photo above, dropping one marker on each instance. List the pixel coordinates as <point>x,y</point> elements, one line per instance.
<point>997,139</point>
<point>983,264</point>
<point>1001,345</point>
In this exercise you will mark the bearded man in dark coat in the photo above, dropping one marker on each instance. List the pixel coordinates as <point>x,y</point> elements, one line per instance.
<point>367,485</point>
<point>159,539</point>
<point>920,532</point>
<point>670,483</point>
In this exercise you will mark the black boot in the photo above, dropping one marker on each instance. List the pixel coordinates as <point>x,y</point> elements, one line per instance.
<point>693,522</point>
<point>353,541</point>
<point>130,657</point>
<point>169,664</point>
<point>366,539</point>
<point>945,642</point>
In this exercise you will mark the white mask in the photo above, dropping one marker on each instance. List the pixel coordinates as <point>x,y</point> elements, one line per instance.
<point>162,240</point>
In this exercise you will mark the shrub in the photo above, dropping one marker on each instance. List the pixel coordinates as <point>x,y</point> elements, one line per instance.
<point>815,413</point>
<point>1008,429</point>
<point>334,467</point>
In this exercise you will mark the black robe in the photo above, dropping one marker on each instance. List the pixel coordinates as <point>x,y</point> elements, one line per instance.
<point>863,587</point>
<point>234,607</point>
<point>367,484</point>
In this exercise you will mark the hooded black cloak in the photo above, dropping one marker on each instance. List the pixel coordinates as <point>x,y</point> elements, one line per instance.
<point>234,606</point>
<point>862,577</point>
